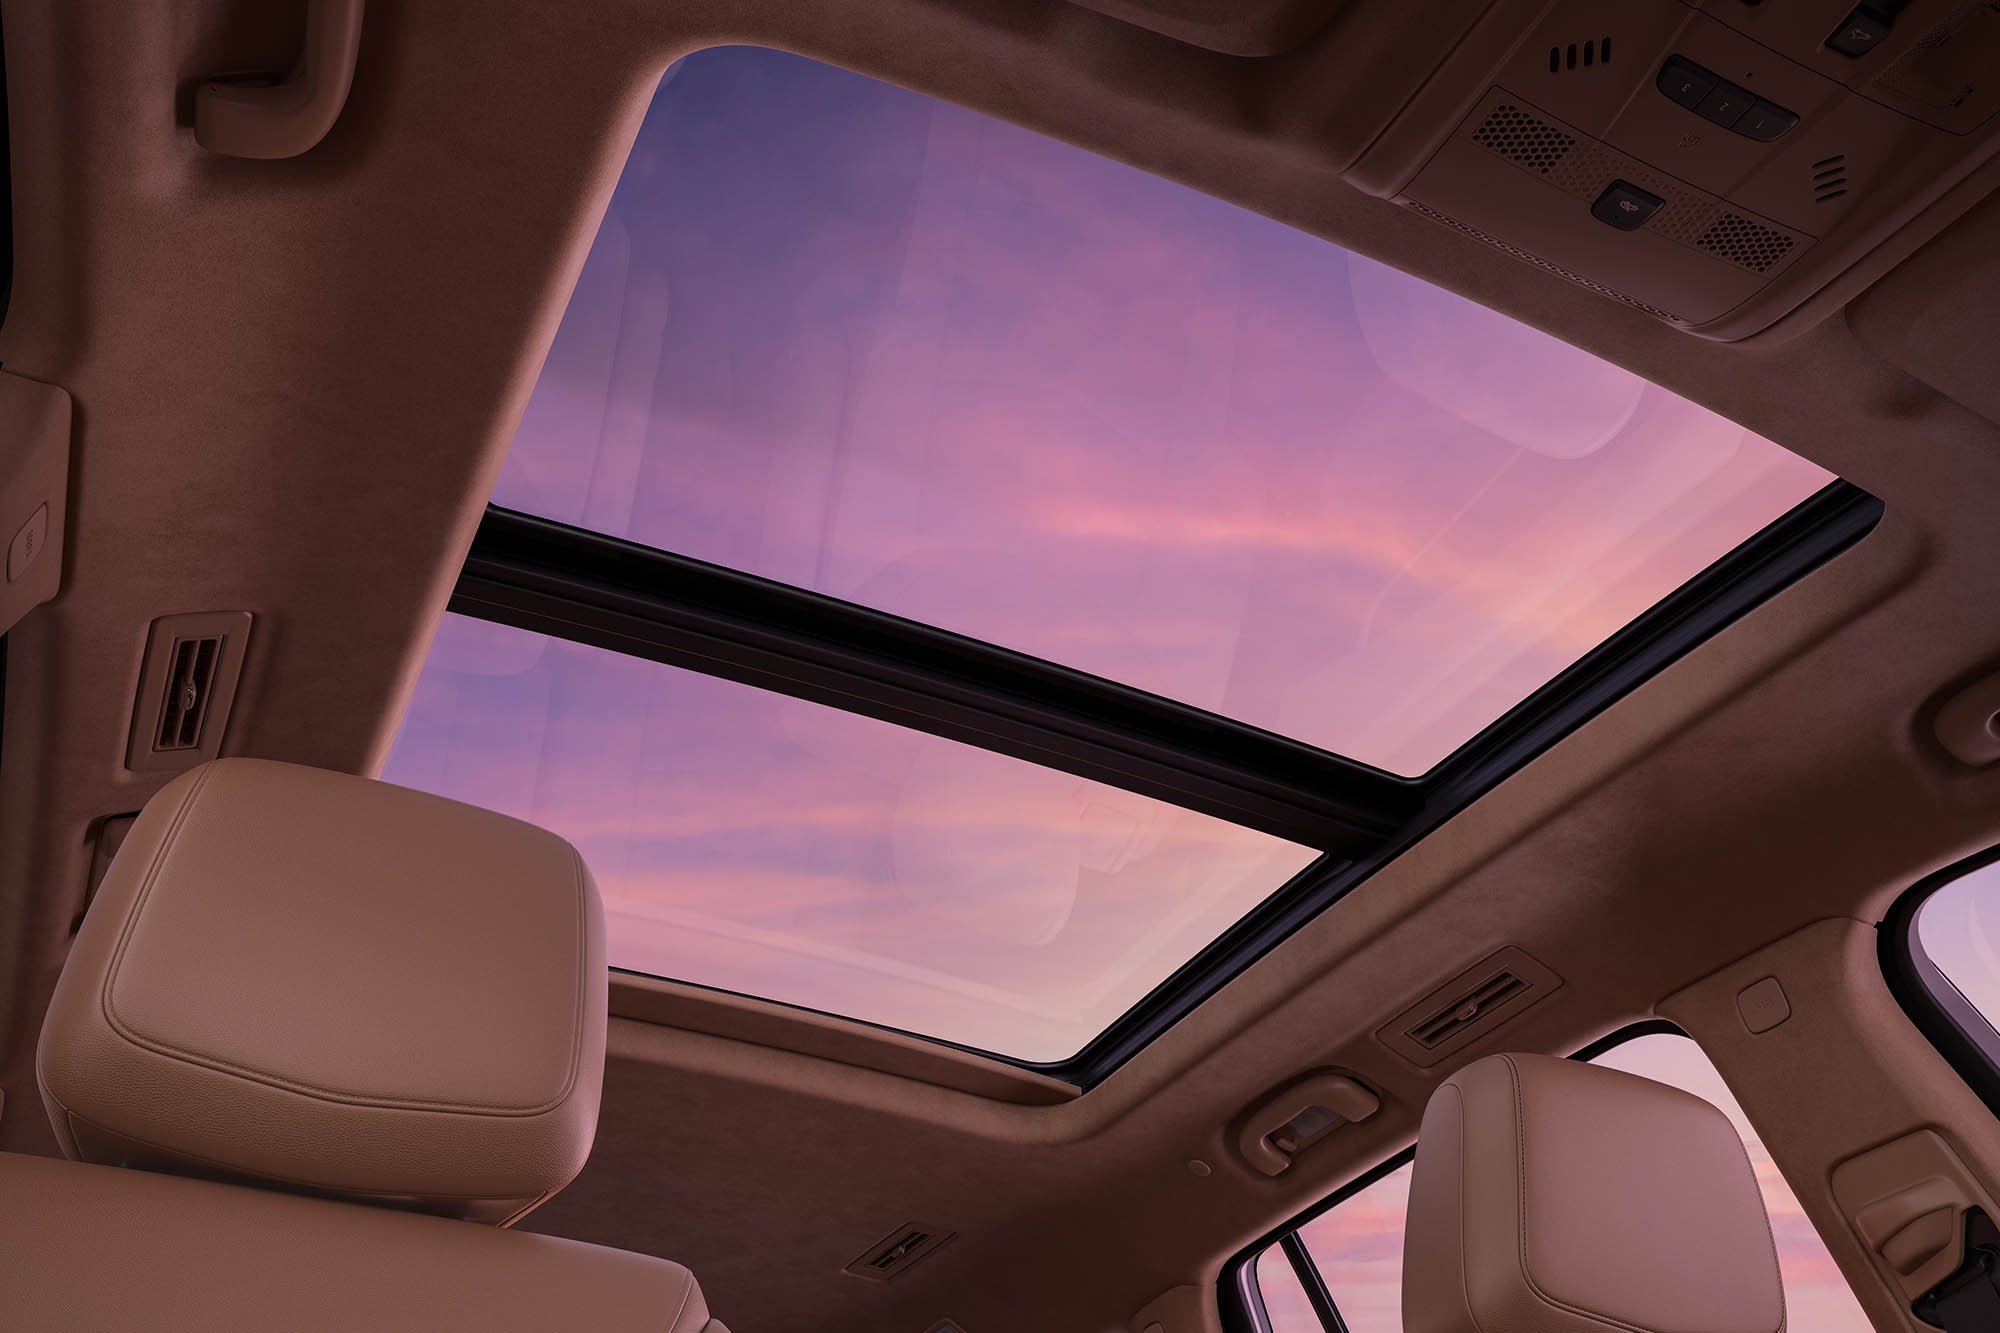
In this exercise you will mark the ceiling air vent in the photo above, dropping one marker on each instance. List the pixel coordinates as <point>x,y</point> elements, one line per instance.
<point>1829,178</point>
<point>1460,1014</point>
<point>1468,1007</point>
<point>897,1252</point>
<point>186,688</point>
<point>1597,52</point>
<point>1523,138</point>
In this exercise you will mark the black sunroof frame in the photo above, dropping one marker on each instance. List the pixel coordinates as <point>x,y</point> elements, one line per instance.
<point>550,578</point>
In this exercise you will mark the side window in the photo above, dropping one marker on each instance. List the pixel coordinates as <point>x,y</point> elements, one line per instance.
<point>1356,1246</point>
<point>1286,1304</point>
<point>1949,938</point>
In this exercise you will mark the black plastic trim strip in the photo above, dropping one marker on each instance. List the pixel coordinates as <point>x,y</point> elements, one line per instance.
<point>548,577</point>
<point>1963,1036</point>
<point>6,198</point>
<point>1236,1290</point>
<point>1307,1273</point>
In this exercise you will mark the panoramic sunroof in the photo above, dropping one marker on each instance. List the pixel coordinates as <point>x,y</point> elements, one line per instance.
<point>850,338</point>
<point>1206,547</point>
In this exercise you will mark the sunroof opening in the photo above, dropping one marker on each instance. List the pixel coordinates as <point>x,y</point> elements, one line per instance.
<point>762,844</point>
<point>840,336</point>
<point>845,336</point>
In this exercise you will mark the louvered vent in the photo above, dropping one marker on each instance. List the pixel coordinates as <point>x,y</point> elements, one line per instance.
<point>895,1253</point>
<point>1595,52</point>
<point>186,688</point>
<point>1829,178</point>
<point>190,685</point>
<point>1471,1005</point>
<point>1523,139</point>
<point>1746,244</point>
<point>1493,993</point>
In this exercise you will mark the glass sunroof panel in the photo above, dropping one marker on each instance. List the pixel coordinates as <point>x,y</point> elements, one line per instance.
<point>763,844</point>
<point>841,335</point>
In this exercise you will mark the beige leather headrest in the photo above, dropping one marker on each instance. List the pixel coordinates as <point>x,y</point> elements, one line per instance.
<point>1561,1197</point>
<point>319,982</point>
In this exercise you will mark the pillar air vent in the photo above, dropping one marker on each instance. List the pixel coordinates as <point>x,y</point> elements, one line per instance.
<point>187,685</point>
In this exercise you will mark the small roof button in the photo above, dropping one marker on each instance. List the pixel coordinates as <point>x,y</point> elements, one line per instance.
<point>1725,104</point>
<point>1684,81</point>
<point>1625,206</point>
<point>1765,121</point>
<point>1860,32</point>
<point>1762,1005</point>
<point>27,545</point>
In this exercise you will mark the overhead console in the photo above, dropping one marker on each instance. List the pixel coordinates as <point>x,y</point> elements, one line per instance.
<point>1712,163</point>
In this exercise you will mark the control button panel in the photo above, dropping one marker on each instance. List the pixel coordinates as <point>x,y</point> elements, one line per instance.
<point>1625,206</point>
<point>1716,99</point>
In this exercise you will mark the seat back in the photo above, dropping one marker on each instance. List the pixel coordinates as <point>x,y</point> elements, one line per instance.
<point>103,1249</point>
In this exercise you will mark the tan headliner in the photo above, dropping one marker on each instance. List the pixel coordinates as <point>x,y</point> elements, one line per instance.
<point>293,383</point>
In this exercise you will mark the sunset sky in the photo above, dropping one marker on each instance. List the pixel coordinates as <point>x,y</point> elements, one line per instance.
<point>781,848</point>
<point>840,335</point>
<point>1959,929</point>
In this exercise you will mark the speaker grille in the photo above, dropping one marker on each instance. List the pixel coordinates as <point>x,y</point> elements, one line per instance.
<point>1539,262</point>
<point>1523,139</point>
<point>1747,244</point>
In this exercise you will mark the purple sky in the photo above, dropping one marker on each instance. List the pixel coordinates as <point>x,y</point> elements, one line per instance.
<point>844,336</point>
<point>1358,1246</point>
<point>1959,928</point>
<point>840,335</point>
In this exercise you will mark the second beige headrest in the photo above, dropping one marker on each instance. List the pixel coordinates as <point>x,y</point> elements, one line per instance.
<point>1564,1197</point>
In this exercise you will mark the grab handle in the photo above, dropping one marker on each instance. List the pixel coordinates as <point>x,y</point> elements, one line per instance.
<point>273,120</point>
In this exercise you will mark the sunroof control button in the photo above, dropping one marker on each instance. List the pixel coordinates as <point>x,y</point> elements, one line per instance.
<point>1625,206</point>
<point>1684,81</point>
<point>1765,121</point>
<point>1725,104</point>
<point>1860,32</point>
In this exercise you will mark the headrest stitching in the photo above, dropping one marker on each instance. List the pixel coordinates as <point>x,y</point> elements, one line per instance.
<point>1521,1239</point>
<point>131,921</point>
<point>271,1080</point>
<point>579,879</point>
